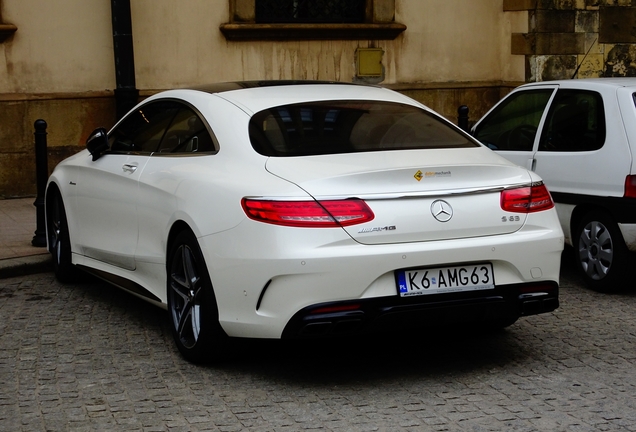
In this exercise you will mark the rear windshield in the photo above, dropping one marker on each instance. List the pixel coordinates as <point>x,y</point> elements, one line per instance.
<point>330,127</point>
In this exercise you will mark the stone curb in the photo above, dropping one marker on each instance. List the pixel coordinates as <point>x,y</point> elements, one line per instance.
<point>14,267</point>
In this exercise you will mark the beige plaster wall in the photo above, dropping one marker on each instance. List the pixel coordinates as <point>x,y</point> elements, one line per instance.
<point>167,56</point>
<point>66,46</point>
<point>179,43</point>
<point>60,46</point>
<point>454,40</point>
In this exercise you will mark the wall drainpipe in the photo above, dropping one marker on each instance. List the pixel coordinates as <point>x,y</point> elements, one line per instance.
<point>126,93</point>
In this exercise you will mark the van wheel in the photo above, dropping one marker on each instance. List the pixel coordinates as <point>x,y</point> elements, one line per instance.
<point>192,308</point>
<point>600,252</point>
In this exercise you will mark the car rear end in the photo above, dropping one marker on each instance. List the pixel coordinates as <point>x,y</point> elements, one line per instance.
<point>400,220</point>
<point>435,256</point>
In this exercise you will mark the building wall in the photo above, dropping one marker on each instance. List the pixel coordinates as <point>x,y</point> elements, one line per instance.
<point>59,66</point>
<point>582,38</point>
<point>446,41</point>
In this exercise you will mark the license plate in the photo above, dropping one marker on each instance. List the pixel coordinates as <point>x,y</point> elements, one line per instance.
<point>445,279</point>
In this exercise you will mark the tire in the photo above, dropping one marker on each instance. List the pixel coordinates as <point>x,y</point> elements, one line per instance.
<point>192,309</point>
<point>59,240</point>
<point>601,256</point>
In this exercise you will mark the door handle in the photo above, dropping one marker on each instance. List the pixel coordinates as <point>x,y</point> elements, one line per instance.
<point>130,168</point>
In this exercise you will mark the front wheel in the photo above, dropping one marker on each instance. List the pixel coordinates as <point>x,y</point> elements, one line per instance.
<point>600,252</point>
<point>192,308</point>
<point>59,239</point>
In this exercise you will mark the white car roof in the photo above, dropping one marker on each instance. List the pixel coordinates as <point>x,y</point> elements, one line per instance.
<point>254,96</point>
<point>588,83</point>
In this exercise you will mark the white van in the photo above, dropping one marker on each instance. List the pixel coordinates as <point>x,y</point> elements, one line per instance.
<point>580,137</point>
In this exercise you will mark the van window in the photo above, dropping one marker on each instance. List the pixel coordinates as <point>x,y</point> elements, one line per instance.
<point>575,123</point>
<point>513,124</point>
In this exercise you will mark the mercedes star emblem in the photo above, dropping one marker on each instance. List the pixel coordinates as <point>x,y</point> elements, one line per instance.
<point>442,211</point>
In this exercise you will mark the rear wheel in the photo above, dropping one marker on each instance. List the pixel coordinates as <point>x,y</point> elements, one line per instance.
<point>192,308</point>
<point>600,252</point>
<point>59,239</point>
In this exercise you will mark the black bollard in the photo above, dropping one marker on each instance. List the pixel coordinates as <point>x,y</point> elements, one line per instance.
<point>462,118</point>
<point>42,174</point>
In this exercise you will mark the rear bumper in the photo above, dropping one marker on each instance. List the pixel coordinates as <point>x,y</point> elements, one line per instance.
<point>394,315</point>
<point>265,278</point>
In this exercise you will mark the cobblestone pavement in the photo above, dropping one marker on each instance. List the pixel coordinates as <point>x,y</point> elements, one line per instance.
<point>89,357</point>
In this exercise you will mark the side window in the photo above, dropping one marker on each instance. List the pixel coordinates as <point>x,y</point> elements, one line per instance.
<point>141,131</point>
<point>513,124</point>
<point>187,134</point>
<point>575,123</point>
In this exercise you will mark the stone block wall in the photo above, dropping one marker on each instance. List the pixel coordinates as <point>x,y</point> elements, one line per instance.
<point>576,38</point>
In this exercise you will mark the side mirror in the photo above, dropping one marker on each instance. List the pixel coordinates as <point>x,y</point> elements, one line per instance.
<point>97,143</point>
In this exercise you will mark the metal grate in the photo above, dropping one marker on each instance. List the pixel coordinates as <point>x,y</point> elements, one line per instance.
<point>310,11</point>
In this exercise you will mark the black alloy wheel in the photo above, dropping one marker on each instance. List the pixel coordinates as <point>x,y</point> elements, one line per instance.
<point>193,313</point>
<point>600,252</point>
<point>59,241</point>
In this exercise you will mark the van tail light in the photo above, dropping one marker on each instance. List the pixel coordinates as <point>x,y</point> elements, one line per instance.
<point>630,186</point>
<point>527,199</point>
<point>308,214</point>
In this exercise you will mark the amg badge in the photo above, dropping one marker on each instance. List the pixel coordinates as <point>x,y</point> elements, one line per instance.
<point>377,229</point>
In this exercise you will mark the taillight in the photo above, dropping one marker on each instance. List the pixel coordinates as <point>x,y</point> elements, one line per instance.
<point>527,199</point>
<point>308,214</point>
<point>630,186</point>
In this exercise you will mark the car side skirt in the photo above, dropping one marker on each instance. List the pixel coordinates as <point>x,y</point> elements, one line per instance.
<point>124,284</point>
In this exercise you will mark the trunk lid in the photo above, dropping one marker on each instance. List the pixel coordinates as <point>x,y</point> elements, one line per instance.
<point>415,195</point>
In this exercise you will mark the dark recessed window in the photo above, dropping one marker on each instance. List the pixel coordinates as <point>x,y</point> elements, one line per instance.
<point>310,11</point>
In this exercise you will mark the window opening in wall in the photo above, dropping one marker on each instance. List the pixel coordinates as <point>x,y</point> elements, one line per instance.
<point>6,29</point>
<point>310,11</point>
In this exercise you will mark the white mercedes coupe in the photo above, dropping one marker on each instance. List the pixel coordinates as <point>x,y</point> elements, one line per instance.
<point>300,210</point>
